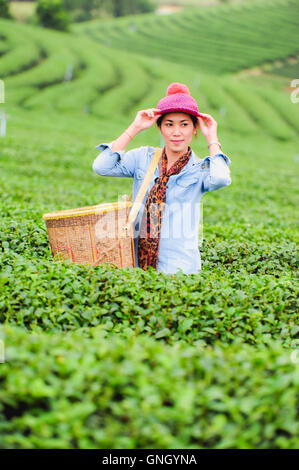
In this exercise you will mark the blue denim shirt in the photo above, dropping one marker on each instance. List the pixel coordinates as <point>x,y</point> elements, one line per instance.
<point>178,246</point>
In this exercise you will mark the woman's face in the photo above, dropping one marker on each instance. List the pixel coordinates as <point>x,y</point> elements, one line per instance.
<point>177,130</point>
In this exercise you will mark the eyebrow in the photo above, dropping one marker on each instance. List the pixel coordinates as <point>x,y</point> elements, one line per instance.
<point>172,120</point>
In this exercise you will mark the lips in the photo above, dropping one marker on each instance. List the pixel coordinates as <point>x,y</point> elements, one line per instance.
<point>177,141</point>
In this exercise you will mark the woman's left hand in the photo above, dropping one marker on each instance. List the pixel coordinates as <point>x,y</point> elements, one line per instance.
<point>208,126</point>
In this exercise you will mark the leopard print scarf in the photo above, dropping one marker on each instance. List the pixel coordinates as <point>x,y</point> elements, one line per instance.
<point>149,238</point>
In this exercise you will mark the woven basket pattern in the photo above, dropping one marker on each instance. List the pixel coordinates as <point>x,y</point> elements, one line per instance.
<point>92,234</point>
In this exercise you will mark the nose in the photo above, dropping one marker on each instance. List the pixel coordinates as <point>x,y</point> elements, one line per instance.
<point>176,131</point>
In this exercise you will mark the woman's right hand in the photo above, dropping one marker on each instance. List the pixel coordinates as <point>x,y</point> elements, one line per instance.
<point>146,118</point>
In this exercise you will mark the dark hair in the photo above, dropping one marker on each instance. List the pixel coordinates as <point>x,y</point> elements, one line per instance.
<point>194,120</point>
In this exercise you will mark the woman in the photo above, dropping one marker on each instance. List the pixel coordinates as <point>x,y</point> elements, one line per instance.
<point>166,228</point>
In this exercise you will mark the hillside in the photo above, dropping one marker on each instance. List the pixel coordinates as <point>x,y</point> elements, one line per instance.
<point>221,39</point>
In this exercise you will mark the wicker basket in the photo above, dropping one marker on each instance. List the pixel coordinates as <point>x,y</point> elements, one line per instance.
<point>92,234</point>
<point>99,234</point>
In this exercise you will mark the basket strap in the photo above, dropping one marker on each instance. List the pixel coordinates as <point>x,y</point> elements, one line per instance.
<point>143,188</point>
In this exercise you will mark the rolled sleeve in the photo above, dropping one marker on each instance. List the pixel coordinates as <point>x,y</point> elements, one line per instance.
<point>218,173</point>
<point>118,163</point>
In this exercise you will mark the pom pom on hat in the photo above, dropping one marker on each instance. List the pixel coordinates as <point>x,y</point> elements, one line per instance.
<point>178,99</point>
<point>177,88</point>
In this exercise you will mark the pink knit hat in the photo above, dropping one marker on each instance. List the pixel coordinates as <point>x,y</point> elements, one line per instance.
<point>178,99</point>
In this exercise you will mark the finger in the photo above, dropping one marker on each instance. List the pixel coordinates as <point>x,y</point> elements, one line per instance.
<point>206,117</point>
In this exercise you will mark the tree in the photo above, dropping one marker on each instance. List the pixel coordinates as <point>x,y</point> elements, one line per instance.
<point>51,14</point>
<point>130,7</point>
<point>4,9</point>
<point>82,10</point>
<point>88,9</point>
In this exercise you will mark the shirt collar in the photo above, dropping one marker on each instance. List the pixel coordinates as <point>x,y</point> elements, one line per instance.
<point>193,160</point>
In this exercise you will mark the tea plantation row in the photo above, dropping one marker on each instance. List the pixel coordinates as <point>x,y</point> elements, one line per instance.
<point>219,39</point>
<point>53,295</point>
<point>67,391</point>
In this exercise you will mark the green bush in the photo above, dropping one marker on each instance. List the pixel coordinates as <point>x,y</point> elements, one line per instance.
<point>61,296</point>
<point>66,391</point>
<point>51,14</point>
<point>4,9</point>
